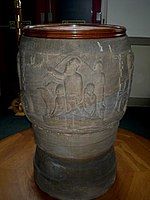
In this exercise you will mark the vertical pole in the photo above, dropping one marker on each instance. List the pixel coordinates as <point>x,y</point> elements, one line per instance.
<point>18,19</point>
<point>96,10</point>
<point>104,8</point>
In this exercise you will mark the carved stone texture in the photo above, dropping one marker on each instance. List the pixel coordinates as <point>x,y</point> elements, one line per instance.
<point>74,92</point>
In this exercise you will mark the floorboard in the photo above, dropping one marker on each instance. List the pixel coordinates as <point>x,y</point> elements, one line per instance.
<point>133,168</point>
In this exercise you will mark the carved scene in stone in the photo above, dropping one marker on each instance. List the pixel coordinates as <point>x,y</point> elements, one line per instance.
<point>75,94</point>
<point>74,87</point>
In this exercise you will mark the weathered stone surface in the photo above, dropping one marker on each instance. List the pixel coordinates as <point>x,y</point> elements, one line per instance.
<point>72,179</point>
<point>75,91</point>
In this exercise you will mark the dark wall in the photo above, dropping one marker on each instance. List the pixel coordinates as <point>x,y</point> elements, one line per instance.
<point>9,84</point>
<point>75,9</point>
<point>64,10</point>
<point>29,10</point>
<point>61,9</point>
<point>8,50</point>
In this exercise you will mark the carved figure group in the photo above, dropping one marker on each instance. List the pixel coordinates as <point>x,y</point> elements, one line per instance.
<point>71,97</point>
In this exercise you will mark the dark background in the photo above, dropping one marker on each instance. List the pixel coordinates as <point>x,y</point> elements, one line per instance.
<point>76,9</point>
<point>31,9</point>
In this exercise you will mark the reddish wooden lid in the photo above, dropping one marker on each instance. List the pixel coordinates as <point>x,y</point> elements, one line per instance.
<point>74,31</point>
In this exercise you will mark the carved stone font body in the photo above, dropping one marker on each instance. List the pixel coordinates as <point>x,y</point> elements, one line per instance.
<point>74,92</point>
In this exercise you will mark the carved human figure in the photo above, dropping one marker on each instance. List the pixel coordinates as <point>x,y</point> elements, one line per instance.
<point>60,101</point>
<point>72,81</point>
<point>33,61</point>
<point>130,59</point>
<point>99,76</point>
<point>123,98</point>
<point>123,84</point>
<point>127,85</point>
<point>89,100</point>
<point>99,69</point>
<point>47,100</point>
<point>123,70</point>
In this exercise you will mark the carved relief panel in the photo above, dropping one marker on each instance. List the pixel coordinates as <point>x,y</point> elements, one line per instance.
<point>73,87</point>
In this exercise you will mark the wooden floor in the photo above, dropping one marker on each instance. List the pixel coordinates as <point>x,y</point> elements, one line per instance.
<point>16,168</point>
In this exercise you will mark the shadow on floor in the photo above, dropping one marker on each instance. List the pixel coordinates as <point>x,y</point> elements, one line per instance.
<point>136,119</point>
<point>10,124</point>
